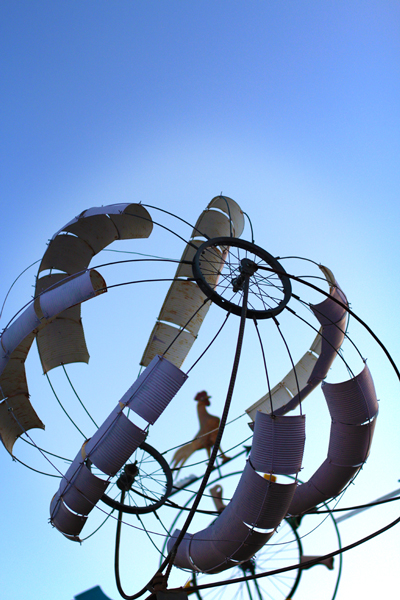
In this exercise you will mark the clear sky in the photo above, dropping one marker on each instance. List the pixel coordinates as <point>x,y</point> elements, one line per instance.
<point>291,108</point>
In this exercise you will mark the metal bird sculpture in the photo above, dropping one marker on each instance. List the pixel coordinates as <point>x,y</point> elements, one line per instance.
<point>206,436</point>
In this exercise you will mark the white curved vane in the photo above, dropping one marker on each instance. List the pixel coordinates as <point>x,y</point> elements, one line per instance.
<point>93,230</point>
<point>151,393</point>
<point>16,412</point>
<point>232,209</point>
<point>172,343</point>
<point>278,444</point>
<point>54,317</point>
<point>70,250</point>
<point>353,401</point>
<point>114,443</point>
<point>181,306</point>
<point>313,367</point>
<point>84,491</point>
<point>185,306</point>
<point>15,333</point>
<point>66,521</point>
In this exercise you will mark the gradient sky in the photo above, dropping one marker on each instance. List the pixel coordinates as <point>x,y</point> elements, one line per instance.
<point>291,108</point>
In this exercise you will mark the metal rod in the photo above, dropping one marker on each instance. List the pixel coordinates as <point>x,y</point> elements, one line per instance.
<point>354,512</point>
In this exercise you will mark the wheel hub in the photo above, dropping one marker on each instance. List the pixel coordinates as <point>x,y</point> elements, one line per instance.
<point>247,269</point>
<point>248,567</point>
<point>127,477</point>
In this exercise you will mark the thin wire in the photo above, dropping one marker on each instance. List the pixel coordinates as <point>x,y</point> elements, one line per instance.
<point>162,525</point>
<point>138,254</point>
<point>349,508</point>
<point>209,345</point>
<point>175,506</point>
<point>80,401</point>
<point>176,217</point>
<point>59,402</point>
<point>35,470</point>
<point>163,226</point>
<point>299,258</point>
<point>265,364</point>
<point>290,357</point>
<point>251,226</point>
<point>148,535</point>
<point>114,285</point>
<point>229,214</point>
<point>130,260</point>
<point>14,282</point>
<point>45,451</point>
<point>99,527</point>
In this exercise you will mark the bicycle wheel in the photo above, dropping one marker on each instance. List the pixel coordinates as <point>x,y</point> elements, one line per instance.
<point>146,480</point>
<point>221,277</point>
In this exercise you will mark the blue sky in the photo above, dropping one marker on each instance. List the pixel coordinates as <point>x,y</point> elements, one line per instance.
<point>292,109</point>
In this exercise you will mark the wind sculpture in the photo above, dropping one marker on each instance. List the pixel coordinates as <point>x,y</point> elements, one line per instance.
<point>210,270</point>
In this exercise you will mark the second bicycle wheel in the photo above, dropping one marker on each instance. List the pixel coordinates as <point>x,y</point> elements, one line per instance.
<point>146,480</point>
